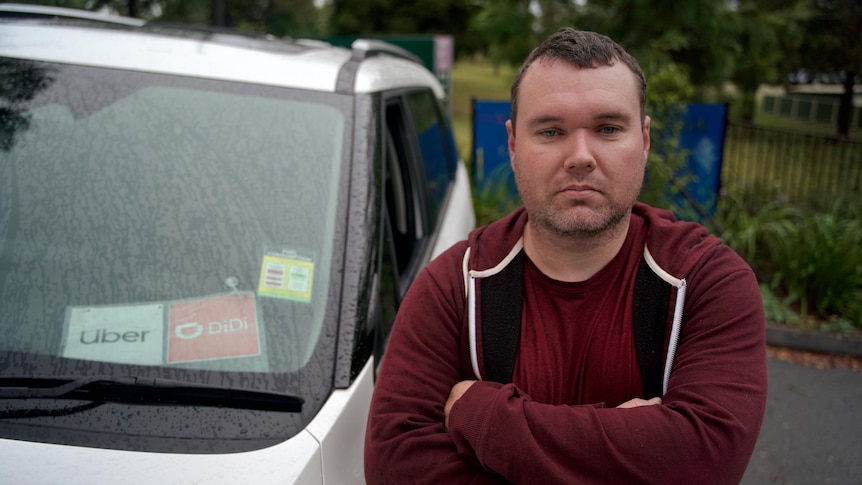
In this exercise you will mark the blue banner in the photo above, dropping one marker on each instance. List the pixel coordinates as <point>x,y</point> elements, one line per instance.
<point>702,137</point>
<point>490,145</point>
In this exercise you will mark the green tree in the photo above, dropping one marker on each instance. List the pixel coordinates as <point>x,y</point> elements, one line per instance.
<point>553,14</point>
<point>695,33</point>
<point>506,29</point>
<point>766,31</point>
<point>295,18</point>
<point>197,12</point>
<point>669,89</point>
<point>376,17</point>
<point>833,44</point>
<point>509,29</point>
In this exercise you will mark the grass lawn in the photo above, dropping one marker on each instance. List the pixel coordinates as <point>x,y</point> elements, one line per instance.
<point>480,80</point>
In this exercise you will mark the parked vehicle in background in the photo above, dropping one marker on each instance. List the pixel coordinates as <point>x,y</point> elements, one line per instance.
<point>204,237</point>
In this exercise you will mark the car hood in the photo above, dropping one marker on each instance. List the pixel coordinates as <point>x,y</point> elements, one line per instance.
<point>296,460</point>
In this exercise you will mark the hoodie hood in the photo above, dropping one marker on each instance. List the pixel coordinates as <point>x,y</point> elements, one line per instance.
<point>675,246</point>
<point>673,249</point>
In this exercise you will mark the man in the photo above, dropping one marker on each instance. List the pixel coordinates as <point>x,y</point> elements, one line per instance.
<point>576,393</point>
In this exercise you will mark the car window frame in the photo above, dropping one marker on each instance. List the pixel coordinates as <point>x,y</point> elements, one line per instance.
<point>414,164</point>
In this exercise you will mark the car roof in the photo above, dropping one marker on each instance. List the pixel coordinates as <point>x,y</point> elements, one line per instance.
<point>212,53</point>
<point>18,10</point>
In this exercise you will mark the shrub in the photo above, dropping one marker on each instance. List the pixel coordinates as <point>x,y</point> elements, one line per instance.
<point>810,260</point>
<point>496,196</point>
<point>670,88</point>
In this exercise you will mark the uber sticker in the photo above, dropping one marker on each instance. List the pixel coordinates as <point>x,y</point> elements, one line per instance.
<point>286,276</point>
<point>126,334</point>
<point>219,327</point>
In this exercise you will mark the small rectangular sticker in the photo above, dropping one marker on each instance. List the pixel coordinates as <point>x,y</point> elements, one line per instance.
<point>286,276</point>
<point>219,327</point>
<point>126,334</point>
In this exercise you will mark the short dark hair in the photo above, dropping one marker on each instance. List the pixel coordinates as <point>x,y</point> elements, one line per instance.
<point>584,50</point>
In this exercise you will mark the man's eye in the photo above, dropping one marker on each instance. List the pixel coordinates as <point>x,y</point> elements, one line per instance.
<point>609,130</point>
<point>549,133</point>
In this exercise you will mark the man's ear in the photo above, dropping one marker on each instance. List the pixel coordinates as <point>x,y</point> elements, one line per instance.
<point>510,130</point>
<point>646,136</point>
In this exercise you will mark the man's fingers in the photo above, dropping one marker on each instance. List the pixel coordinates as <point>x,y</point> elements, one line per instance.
<point>638,402</point>
<point>455,393</point>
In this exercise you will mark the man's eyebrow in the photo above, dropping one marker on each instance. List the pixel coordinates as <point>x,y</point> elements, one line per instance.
<point>543,119</point>
<point>614,116</point>
<point>618,116</point>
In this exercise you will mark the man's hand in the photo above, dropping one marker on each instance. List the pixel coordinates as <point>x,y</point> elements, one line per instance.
<point>638,402</point>
<point>460,388</point>
<point>457,391</point>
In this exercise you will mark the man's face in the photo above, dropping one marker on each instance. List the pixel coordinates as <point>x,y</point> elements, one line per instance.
<point>581,149</point>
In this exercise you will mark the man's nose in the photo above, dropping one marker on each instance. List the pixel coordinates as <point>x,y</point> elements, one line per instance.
<point>580,156</point>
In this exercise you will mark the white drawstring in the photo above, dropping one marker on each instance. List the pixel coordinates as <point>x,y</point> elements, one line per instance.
<point>674,335</point>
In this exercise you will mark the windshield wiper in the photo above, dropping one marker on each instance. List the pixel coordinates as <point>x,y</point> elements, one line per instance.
<point>146,390</point>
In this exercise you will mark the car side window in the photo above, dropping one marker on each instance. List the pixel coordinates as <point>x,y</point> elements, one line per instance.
<point>403,190</point>
<point>388,291</point>
<point>435,149</point>
<point>398,237</point>
<point>419,165</point>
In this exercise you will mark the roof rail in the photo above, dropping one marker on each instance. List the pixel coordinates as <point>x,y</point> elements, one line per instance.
<point>365,48</point>
<point>26,11</point>
<point>205,31</point>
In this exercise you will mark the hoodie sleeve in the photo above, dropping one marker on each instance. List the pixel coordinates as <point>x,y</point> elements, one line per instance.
<point>406,441</point>
<point>704,431</point>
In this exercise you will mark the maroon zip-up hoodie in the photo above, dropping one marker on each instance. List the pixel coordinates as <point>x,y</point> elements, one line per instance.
<point>703,432</point>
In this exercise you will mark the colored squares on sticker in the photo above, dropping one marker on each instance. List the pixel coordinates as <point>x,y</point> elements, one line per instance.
<point>287,278</point>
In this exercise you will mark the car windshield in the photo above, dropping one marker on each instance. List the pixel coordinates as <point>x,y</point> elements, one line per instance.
<point>164,222</point>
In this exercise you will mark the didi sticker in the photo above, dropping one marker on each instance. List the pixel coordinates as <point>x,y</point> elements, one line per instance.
<point>213,328</point>
<point>286,276</point>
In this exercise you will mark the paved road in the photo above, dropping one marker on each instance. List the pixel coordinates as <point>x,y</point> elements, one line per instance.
<point>812,432</point>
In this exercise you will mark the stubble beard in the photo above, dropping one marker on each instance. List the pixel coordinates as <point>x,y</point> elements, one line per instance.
<point>578,220</point>
<point>575,219</point>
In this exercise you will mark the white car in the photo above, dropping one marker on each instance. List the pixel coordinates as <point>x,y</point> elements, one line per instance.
<point>204,237</point>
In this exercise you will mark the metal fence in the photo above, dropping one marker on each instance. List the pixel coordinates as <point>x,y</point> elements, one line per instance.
<point>796,167</point>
